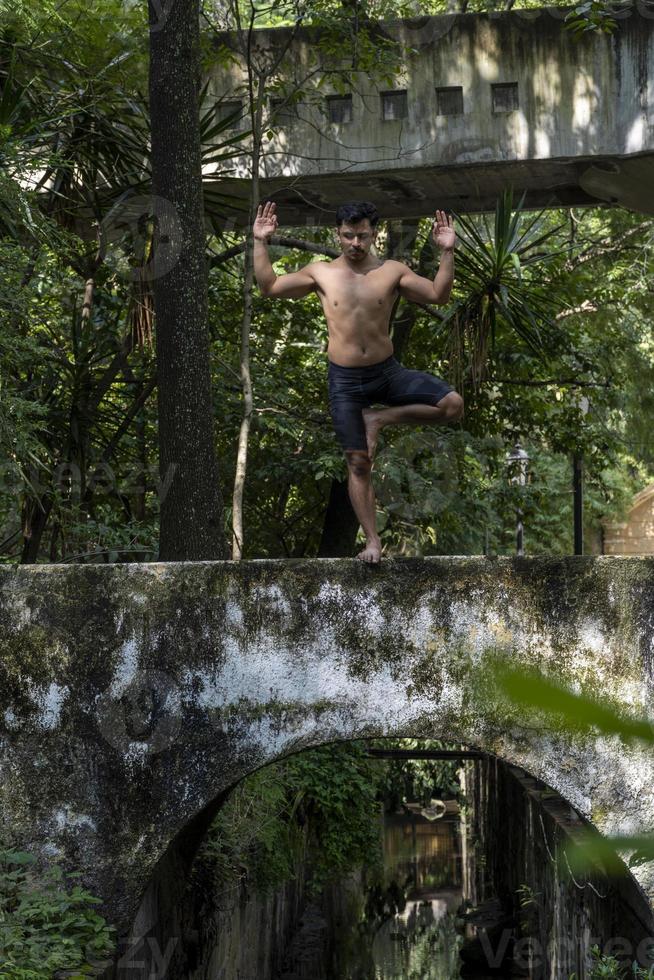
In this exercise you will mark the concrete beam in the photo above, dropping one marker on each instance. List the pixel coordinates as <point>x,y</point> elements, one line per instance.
<point>509,97</point>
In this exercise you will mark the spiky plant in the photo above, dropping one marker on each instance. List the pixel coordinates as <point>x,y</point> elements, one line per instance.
<point>496,292</point>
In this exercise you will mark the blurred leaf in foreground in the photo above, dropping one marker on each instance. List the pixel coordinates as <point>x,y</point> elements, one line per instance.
<point>575,712</point>
<point>591,849</point>
<point>581,713</point>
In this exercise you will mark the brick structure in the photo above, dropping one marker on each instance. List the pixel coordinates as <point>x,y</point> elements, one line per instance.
<point>635,536</point>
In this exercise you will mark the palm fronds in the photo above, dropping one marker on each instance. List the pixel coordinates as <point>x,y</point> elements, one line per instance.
<point>497,292</point>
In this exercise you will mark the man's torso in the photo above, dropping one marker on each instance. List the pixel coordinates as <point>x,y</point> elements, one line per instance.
<point>357,308</point>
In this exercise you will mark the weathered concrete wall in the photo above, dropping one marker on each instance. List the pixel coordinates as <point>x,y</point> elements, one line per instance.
<point>134,696</point>
<point>278,936</point>
<point>518,833</point>
<point>236,936</point>
<point>579,127</point>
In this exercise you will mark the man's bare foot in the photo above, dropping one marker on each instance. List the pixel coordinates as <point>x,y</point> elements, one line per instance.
<point>373,423</point>
<point>372,552</point>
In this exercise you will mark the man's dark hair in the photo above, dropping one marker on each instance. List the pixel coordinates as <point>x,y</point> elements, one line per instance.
<point>355,211</point>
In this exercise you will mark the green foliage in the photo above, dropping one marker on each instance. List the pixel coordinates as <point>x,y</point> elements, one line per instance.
<point>23,419</point>
<point>456,498</point>
<point>584,715</point>
<point>77,434</point>
<point>566,317</point>
<point>293,82</point>
<point>576,712</point>
<point>47,924</point>
<point>594,16</point>
<point>606,967</point>
<point>446,491</point>
<point>590,15</point>
<point>410,780</point>
<point>255,839</point>
<point>430,952</point>
<point>339,785</point>
<point>321,808</point>
<point>259,835</point>
<point>493,273</point>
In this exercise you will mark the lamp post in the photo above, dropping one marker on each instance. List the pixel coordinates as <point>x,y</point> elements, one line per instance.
<point>578,489</point>
<point>578,502</point>
<point>517,462</point>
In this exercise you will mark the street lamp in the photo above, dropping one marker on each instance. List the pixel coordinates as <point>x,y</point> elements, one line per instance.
<point>578,488</point>
<point>517,462</point>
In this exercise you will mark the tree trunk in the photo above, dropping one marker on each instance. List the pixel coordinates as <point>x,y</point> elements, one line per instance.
<point>401,238</point>
<point>246,323</point>
<point>35,518</point>
<point>339,530</point>
<point>139,500</point>
<point>248,407</point>
<point>191,522</point>
<point>87,304</point>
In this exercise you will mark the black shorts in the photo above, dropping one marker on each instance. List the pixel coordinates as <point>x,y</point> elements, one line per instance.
<point>351,389</point>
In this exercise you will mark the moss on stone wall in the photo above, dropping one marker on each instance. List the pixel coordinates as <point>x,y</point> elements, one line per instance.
<point>132,696</point>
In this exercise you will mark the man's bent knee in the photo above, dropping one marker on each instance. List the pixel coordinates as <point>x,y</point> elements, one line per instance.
<point>453,405</point>
<point>359,463</point>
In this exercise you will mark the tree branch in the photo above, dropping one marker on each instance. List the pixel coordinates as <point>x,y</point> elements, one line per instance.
<point>284,241</point>
<point>572,382</point>
<point>605,246</point>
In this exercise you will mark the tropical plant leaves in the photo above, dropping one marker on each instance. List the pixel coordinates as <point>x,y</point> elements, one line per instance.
<point>491,271</point>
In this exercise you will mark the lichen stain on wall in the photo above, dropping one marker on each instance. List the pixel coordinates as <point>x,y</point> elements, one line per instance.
<point>170,683</point>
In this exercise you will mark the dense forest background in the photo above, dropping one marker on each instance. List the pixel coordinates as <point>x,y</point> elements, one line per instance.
<point>548,337</point>
<point>552,347</point>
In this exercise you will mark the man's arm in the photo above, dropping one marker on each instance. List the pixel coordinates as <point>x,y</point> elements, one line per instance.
<point>292,286</point>
<point>418,289</point>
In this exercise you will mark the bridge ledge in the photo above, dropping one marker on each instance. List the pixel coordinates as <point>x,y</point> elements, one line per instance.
<point>170,682</point>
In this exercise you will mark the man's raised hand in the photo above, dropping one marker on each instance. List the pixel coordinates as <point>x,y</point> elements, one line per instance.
<point>265,223</point>
<point>443,230</point>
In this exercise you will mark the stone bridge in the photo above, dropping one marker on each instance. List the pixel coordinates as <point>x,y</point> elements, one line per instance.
<point>133,697</point>
<point>478,101</point>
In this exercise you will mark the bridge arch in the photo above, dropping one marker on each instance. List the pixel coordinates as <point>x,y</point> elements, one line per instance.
<point>520,827</point>
<point>133,696</point>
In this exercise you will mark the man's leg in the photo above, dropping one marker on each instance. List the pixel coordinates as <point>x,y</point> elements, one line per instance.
<point>362,497</point>
<point>448,409</point>
<point>346,402</point>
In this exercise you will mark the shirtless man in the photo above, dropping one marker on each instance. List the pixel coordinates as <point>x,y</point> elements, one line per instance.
<point>357,291</point>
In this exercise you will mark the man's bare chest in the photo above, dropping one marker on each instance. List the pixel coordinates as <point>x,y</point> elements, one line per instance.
<point>341,290</point>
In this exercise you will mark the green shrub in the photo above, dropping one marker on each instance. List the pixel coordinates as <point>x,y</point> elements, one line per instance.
<point>604,967</point>
<point>48,926</point>
<point>260,835</point>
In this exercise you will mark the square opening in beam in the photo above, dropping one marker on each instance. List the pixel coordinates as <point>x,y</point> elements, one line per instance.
<point>394,105</point>
<point>339,108</point>
<point>282,113</point>
<point>232,110</point>
<point>505,96</point>
<point>449,100</point>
